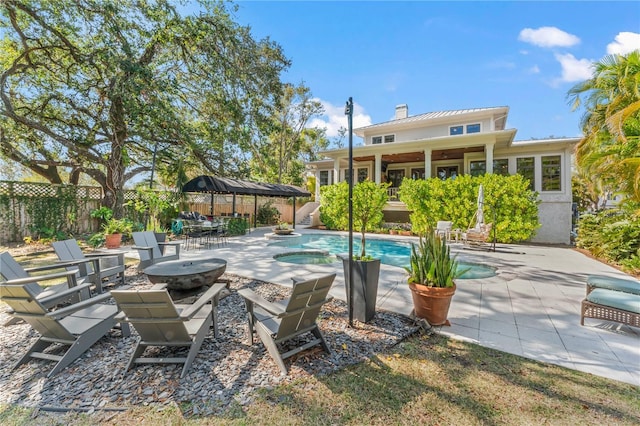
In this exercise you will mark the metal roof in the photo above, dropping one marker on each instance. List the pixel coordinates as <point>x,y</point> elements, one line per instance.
<point>433,115</point>
<point>219,185</point>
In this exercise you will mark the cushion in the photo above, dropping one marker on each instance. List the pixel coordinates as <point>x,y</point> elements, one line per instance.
<point>612,283</point>
<point>615,299</point>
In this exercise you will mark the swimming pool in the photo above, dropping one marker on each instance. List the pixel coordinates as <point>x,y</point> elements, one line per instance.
<point>393,253</point>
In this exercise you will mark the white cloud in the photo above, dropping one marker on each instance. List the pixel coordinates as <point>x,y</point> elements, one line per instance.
<point>334,118</point>
<point>624,43</point>
<point>534,70</point>
<point>548,37</point>
<point>574,69</point>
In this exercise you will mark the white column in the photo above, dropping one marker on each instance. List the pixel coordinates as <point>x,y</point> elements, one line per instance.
<point>427,163</point>
<point>488,154</point>
<point>336,170</point>
<point>317,173</point>
<point>378,169</point>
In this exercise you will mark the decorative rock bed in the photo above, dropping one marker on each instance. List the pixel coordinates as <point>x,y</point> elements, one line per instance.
<point>226,372</point>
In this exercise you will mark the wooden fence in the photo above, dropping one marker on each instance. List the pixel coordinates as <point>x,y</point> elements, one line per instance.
<point>30,209</point>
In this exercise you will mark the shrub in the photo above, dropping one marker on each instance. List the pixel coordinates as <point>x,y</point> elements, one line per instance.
<point>268,214</point>
<point>509,204</point>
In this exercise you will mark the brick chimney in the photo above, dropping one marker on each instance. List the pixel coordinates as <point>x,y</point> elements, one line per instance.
<point>402,111</point>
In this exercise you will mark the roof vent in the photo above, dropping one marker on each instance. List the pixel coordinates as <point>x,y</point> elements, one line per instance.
<point>402,111</point>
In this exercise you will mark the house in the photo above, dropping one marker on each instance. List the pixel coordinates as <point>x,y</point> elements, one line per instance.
<point>448,143</point>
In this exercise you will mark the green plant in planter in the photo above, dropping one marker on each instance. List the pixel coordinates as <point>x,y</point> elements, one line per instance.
<point>103,213</point>
<point>368,200</point>
<point>118,226</point>
<point>282,226</point>
<point>431,263</point>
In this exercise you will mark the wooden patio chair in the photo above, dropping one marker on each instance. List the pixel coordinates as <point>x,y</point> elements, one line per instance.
<point>71,290</point>
<point>149,249</point>
<point>160,322</point>
<point>77,326</point>
<point>277,322</point>
<point>102,269</point>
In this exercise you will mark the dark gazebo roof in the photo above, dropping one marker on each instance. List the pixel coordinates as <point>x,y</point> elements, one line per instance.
<point>218,185</point>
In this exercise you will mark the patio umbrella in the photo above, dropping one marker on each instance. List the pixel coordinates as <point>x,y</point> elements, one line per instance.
<point>480,212</point>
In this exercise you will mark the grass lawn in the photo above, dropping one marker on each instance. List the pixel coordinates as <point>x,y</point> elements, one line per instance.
<point>428,379</point>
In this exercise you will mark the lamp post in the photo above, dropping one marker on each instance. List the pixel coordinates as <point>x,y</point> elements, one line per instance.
<point>348,111</point>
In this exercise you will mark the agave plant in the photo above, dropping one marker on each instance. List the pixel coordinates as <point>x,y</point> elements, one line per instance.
<point>431,263</point>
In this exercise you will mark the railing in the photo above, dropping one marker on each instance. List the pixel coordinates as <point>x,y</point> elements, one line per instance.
<point>392,192</point>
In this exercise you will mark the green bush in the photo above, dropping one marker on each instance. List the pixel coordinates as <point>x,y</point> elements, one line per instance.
<point>613,235</point>
<point>509,204</point>
<point>268,214</point>
<point>237,226</point>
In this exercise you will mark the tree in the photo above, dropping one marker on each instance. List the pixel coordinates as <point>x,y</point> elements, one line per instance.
<point>610,148</point>
<point>279,154</point>
<point>97,85</point>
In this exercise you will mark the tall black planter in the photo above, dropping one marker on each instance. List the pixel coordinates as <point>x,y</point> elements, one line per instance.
<point>365,283</point>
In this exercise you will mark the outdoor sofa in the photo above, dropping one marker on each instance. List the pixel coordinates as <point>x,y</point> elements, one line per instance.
<point>612,299</point>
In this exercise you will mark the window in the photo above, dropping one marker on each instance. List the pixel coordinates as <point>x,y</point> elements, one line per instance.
<point>551,176</point>
<point>456,130</point>
<point>325,177</point>
<point>501,167</point>
<point>389,138</point>
<point>447,172</point>
<point>477,168</point>
<point>473,128</point>
<point>525,167</point>
<point>363,174</point>
<point>417,173</point>
<point>376,140</point>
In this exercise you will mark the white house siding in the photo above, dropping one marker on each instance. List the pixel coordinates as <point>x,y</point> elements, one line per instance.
<point>555,223</point>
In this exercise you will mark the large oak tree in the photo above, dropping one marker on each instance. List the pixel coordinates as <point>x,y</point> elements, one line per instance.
<point>97,86</point>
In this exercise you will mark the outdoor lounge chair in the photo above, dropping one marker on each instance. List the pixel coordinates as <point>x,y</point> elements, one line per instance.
<point>160,322</point>
<point>277,322</point>
<point>78,325</point>
<point>477,236</point>
<point>73,289</point>
<point>149,249</point>
<point>104,267</point>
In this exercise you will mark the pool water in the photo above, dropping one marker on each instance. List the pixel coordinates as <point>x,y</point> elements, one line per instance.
<point>324,247</point>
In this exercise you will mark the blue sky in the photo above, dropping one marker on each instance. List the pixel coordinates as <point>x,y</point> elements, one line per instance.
<point>436,56</point>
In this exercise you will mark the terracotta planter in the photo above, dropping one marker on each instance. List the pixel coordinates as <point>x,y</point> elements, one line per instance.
<point>283,231</point>
<point>432,303</point>
<point>113,241</point>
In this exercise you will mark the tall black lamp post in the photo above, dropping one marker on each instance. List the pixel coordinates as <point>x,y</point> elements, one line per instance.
<point>348,111</point>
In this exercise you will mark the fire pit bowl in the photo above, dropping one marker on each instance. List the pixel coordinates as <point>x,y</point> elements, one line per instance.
<point>186,274</point>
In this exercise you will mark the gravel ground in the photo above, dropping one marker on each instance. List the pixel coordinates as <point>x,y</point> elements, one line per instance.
<point>226,372</point>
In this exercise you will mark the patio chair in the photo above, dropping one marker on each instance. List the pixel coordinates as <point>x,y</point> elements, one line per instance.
<point>160,322</point>
<point>103,268</point>
<point>77,326</point>
<point>71,290</point>
<point>149,249</point>
<point>277,322</point>
<point>477,236</point>
<point>443,229</point>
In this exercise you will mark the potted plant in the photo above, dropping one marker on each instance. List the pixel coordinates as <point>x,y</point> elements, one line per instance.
<point>282,228</point>
<point>367,203</point>
<point>432,273</point>
<point>114,229</point>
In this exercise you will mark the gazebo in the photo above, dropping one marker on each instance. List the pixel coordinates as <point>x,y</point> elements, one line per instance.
<point>219,185</point>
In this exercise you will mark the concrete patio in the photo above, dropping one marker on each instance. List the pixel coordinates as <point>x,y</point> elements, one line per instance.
<point>531,308</point>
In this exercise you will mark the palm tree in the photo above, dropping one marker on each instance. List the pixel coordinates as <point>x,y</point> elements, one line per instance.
<point>610,148</point>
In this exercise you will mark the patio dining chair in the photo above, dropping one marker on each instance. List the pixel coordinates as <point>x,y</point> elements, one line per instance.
<point>77,326</point>
<point>149,249</point>
<point>160,322</point>
<point>279,322</point>
<point>103,269</point>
